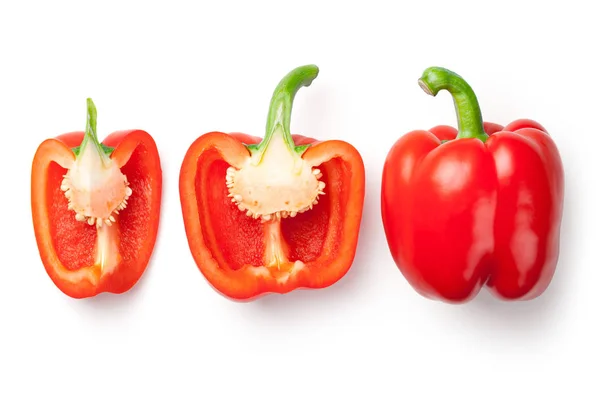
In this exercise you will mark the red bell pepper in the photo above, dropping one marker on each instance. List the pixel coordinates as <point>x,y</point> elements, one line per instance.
<point>473,206</point>
<point>272,215</point>
<point>96,208</point>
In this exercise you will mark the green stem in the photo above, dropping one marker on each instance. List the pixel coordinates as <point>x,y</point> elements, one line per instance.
<point>468,113</point>
<point>280,110</point>
<point>91,135</point>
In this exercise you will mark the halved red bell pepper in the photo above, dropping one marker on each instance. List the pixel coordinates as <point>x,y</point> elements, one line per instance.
<point>96,208</point>
<point>473,207</point>
<point>272,215</point>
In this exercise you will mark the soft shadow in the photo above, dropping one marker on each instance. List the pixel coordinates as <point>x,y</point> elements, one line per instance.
<point>348,289</point>
<point>111,305</point>
<point>487,314</point>
<point>107,303</point>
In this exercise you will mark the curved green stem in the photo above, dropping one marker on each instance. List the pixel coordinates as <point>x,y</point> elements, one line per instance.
<point>280,110</point>
<point>468,113</point>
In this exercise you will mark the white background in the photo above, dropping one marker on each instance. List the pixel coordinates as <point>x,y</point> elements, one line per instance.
<point>179,70</point>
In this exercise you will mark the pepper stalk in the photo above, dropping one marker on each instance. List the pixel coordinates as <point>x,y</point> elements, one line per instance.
<point>468,113</point>
<point>94,184</point>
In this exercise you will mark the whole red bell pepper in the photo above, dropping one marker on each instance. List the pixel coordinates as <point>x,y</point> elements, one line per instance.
<point>272,215</point>
<point>473,207</point>
<point>96,208</point>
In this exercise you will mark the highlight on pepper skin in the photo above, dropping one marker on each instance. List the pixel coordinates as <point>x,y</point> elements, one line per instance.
<point>473,207</point>
<point>275,214</point>
<point>96,207</point>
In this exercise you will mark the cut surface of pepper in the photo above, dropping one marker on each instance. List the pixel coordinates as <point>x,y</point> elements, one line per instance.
<point>272,215</point>
<point>473,207</point>
<point>88,200</point>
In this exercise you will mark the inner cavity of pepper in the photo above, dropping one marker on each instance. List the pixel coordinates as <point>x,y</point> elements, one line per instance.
<point>79,244</point>
<point>277,247</point>
<point>270,196</point>
<point>96,191</point>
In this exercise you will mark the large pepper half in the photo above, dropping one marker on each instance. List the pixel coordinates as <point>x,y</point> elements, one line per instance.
<point>272,215</point>
<point>96,208</point>
<point>473,207</point>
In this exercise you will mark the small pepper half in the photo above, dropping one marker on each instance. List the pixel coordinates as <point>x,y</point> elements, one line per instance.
<point>96,208</point>
<point>473,207</point>
<point>272,215</point>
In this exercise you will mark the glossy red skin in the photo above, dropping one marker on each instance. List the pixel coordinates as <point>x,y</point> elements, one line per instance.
<point>464,214</point>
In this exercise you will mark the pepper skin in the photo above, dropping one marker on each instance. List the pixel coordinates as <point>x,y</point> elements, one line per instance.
<point>473,207</point>
<point>274,215</point>
<point>96,208</point>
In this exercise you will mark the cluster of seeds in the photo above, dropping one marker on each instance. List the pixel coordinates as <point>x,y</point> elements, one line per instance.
<point>238,199</point>
<point>91,220</point>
